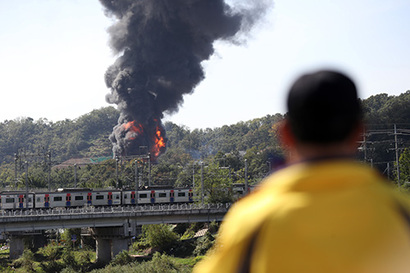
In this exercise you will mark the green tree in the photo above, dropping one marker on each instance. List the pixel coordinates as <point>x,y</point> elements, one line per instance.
<point>404,162</point>
<point>121,258</point>
<point>217,181</point>
<point>159,236</point>
<point>26,261</point>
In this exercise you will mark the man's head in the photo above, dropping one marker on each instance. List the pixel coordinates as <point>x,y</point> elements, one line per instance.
<point>323,108</point>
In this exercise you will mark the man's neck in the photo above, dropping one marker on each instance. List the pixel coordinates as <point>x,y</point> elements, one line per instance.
<point>308,152</point>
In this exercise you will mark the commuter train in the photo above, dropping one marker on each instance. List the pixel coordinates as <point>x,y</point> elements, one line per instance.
<point>80,197</point>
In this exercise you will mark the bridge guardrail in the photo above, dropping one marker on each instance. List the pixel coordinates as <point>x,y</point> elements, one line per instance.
<point>112,209</point>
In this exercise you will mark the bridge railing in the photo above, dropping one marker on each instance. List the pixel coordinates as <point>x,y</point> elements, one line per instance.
<point>113,209</point>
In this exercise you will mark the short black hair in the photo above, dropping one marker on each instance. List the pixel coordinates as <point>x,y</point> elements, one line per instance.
<point>323,107</point>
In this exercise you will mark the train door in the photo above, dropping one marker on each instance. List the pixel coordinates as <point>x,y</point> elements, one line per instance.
<point>0,202</point>
<point>152,197</point>
<point>47,200</point>
<point>68,200</point>
<point>21,201</point>
<point>172,196</point>
<point>109,198</point>
<point>89,199</point>
<point>133,197</point>
<point>190,195</point>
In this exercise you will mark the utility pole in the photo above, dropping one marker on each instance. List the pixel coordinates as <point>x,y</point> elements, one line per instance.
<point>116,172</point>
<point>136,181</point>
<point>136,174</point>
<point>364,147</point>
<point>26,163</point>
<point>202,182</point>
<point>193,176</point>
<point>246,176</point>
<point>149,169</point>
<point>15,169</point>
<point>49,170</point>
<point>397,155</point>
<point>75,175</point>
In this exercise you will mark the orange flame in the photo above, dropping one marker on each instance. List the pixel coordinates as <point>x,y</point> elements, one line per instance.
<point>157,138</point>
<point>159,142</point>
<point>133,127</point>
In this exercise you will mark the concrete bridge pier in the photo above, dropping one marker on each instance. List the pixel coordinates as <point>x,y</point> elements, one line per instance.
<point>16,246</point>
<point>110,241</point>
<point>20,240</point>
<point>103,247</point>
<point>118,245</point>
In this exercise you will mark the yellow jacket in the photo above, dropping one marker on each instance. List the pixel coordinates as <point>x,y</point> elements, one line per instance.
<point>329,216</point>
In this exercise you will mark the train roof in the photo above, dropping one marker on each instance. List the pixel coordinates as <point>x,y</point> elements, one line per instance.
<point>14,192</point>
<point>72,189</point>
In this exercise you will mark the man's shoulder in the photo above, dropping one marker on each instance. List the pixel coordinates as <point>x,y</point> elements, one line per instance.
<point>261,203</point>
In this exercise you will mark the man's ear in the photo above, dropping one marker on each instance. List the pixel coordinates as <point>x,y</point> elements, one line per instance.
<point>285,135</point>
<point>357,135</point>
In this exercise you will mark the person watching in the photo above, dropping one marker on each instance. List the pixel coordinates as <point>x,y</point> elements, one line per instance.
<point>325,211</point>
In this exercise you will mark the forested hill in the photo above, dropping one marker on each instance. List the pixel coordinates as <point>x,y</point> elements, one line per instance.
<point>384,110</point>
<point>87,136</point>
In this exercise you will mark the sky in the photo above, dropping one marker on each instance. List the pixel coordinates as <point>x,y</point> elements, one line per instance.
<point>53,56</point>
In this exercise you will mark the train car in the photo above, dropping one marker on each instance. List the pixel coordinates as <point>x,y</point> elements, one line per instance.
<point>157,196</point>
<point>138,197</point>
<point>44,200</point>
<point>77,198</point>
<point>72,197</point>
<point>54,199</point>
<point>162,196</point>
<point>16,200</point>
<point>238,189</point>
<point>106,197</point>
<point>80,197</point>
<point>183,195</point>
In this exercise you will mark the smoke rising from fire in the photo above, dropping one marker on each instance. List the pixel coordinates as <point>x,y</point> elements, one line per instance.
<point>161,44</point>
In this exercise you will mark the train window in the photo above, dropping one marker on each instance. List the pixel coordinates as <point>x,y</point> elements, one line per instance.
<point>38,199</point>
<point>99,197</point>
<point>9,200</point>
<point>143,195</point>
<point>181,194</point>
<point>117,196</point>
<point>162,194</point>
<point>79,198</point>
<point>125,196</point>
<point>29,200</point>
<point>58,198</point>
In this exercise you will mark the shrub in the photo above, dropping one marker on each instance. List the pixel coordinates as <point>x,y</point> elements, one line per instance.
<point>51,266</point>
<point>26,261</point>
<point>204,244</point>
<point>159,236</point>
<point>122,258</point>
<point>51,252</point>
<point>69,259</point>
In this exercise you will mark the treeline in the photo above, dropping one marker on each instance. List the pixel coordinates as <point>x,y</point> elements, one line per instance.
<point>388,132</point>
<point>86,136</point>
<point>223,151</point>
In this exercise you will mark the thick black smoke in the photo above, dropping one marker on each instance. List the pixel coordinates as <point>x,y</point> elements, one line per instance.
<point>161,44</point>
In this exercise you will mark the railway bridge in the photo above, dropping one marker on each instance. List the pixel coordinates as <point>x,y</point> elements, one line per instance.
<point>112,227</point>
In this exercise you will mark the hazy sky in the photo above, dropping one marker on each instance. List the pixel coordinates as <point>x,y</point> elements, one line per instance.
<point>53,56</point>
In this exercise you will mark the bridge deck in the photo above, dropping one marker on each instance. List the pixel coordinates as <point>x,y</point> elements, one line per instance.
<point>40,219</point>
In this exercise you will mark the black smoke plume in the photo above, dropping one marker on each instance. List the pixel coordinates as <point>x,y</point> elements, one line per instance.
<point>161,44</point>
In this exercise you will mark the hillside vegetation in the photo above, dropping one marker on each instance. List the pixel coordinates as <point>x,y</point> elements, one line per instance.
<point>44,144</point>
